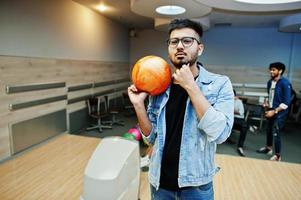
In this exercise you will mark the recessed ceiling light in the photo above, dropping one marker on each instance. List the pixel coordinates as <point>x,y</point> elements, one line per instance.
<point>170,10</point>
<point>268,1</point>
<point>300,28</point>
<point>101,8</point>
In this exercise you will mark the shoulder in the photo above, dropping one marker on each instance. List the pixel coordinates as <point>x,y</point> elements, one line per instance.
<point>284,81</point>
<point>214,84</point>
<point>207,76</point>
<point>154,101</point>
<point>220,79</point>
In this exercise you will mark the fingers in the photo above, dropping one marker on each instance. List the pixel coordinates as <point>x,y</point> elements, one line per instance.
<point>132,88</point>
<point>144,95</point>
<point>181,73</point>
<point>175,79</point>
<point>268,114</point>
<point>177,76</point>
<point>186,66</point>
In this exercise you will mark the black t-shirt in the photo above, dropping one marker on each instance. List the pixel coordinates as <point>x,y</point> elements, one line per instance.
<point>175,111</point>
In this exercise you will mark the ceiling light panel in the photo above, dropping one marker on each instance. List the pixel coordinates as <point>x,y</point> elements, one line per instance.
<point>170,10</point>
<point>148,8</point>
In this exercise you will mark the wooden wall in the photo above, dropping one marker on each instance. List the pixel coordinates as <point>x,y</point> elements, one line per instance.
<point>242,74</point>
<point>24,70</point>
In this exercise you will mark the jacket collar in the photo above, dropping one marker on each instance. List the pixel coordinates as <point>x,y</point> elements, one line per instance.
<point>280,79</point>
<point>204,77</point>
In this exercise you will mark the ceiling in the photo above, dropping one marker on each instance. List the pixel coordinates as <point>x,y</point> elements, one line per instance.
<point>223,13</point>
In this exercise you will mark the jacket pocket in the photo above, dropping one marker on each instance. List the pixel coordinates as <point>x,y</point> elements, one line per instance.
<point>201,140</point>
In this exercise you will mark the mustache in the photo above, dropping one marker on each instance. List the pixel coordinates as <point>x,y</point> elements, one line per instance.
<point>180,52</point>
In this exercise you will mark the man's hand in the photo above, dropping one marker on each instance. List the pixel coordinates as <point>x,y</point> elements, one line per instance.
<point>265,104</point>
<point>184,77</point>
<point>136,97</point>
<point>269,113</point>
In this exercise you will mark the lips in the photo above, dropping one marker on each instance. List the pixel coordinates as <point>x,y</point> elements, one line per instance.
<point>180,54</point>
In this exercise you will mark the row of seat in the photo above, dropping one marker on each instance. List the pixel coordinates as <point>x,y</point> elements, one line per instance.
<point>105,110</point>
<point>253,113</point>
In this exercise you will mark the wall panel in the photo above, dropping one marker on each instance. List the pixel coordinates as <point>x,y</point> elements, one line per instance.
<point>22,71</point>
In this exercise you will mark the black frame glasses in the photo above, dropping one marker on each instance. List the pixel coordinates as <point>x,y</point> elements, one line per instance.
<point>186,41</point>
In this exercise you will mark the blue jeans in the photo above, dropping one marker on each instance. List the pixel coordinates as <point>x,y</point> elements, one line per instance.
<point>203,192</point>
<point>275,124</point>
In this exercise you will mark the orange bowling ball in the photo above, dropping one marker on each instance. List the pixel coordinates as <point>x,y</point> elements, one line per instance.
<point>151,74</point>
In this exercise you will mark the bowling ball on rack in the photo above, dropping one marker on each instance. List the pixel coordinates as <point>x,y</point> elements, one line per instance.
<point>135,131</point>
<point>129,136</point>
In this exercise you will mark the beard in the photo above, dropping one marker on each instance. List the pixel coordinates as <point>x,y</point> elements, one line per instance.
<point>179,62</point>
<point>274,76</point>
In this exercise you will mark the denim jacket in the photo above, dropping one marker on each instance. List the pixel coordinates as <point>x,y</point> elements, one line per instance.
<point>199,136</point>
<point>282,95</point>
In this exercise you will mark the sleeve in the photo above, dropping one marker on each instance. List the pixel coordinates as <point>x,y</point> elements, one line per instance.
<point>241,109</point>
<point>217,122</point>
<point>286,90</point>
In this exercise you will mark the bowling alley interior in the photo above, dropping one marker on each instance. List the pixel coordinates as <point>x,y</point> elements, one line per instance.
<point>71,71</point>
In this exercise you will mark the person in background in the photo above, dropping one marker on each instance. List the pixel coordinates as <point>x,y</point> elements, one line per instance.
<point>187,121</point>
<point>240,123</point>
<point>279,90</point>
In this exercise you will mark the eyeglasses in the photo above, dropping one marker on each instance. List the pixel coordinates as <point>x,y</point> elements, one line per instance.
<point>186,42</point>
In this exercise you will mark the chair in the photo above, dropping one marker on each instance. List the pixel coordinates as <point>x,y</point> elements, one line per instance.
<point>295,110</point>
<point>127,104</point>
<point>296,115</point>
<point>246,115</point>
<point>255,113</point>
<point>97,107</point>
<point>114,108</point>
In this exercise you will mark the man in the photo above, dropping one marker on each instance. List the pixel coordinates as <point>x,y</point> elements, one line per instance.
<point>279,90</point>
<point>240,123</point>
<point>185,122</point>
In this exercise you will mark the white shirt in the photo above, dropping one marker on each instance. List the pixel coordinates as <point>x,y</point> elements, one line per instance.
<point>271,93</point>
<point>238,108</point>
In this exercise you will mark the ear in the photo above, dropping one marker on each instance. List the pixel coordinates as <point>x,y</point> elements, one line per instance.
<point>200,49</point>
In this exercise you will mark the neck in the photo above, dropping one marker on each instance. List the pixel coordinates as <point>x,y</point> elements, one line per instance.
<point>194,69</point>
<point>277,78</point>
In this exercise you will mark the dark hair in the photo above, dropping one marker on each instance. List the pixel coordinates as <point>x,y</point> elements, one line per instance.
<point>234,92</point>
<point>186,23</point>
<point>278,65</point>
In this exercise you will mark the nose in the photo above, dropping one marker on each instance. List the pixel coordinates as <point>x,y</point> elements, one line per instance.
<point>180,45</point>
